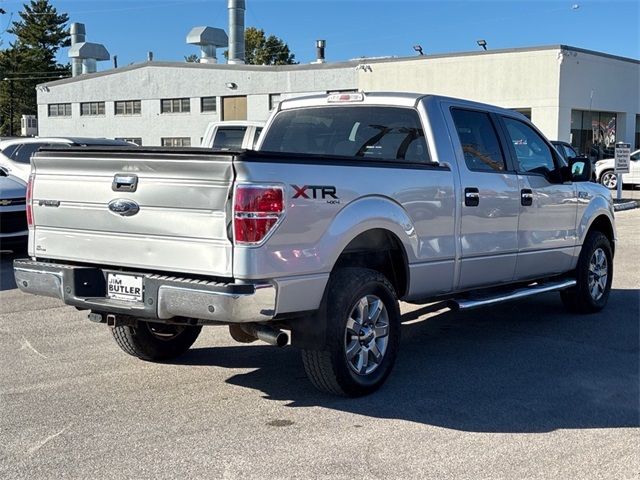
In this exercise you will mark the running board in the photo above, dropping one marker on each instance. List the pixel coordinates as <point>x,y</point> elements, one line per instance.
<point>463,304</point>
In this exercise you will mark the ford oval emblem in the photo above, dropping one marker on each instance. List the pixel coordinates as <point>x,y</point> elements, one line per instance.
<point>123,207</point>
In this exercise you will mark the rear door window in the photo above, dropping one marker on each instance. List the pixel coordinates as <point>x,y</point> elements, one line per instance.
<point>479,141</point>
<point>363,132</point>
<point>229,138</point>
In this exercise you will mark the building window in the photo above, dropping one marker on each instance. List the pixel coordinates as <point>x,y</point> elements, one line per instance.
<point>637,131</point>
<point>593,133</point>
<point>128,107</point>
<point>59,109</point>
<point>136,140</point>
<point>176,141</point>
<point>274,101</point>
<point>92,108</point>
<point>208,104</point>
<point>175,105</point>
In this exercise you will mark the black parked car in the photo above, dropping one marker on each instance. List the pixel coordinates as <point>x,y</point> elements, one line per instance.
<point>565,149</point>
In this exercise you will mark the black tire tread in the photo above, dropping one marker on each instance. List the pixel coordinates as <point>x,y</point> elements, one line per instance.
<point>125,340</point>
<point>317,365</point>
<point>138,341</point>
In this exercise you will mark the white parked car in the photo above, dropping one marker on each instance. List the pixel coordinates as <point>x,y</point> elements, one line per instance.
<point>15,153</point>
<point>606,175</point>
<point>232,135</point>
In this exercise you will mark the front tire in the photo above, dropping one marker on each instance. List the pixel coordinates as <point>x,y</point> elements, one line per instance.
<point>363,334</point>
<point>155,342</point>
<point>594,275</point>
<point>609,179</point>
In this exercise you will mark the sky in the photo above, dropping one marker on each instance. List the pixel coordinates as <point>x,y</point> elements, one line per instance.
<point>352,29</point>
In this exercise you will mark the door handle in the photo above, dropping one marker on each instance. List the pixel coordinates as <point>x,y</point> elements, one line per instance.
<point>526,197</point>
<point>471,197</point>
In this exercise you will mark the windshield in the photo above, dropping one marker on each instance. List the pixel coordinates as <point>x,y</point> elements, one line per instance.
<point>371,133</point>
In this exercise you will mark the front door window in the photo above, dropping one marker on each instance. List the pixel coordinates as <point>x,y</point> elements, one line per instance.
<point>532,152</point>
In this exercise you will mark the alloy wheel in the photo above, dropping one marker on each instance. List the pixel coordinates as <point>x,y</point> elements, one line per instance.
<point>367,335</point>
<point>598,274</point>
<point>610,180</point>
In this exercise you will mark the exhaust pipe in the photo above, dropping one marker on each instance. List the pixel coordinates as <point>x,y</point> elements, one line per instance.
<point>252,331</point>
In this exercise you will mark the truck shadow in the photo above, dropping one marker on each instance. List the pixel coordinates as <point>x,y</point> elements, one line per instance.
<point>7,280</point>
<point>521,367</point>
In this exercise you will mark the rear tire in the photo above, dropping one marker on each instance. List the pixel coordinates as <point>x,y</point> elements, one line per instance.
<point>609,179</point>
<point>363,334</point>
<point>594,274</point>
<point>155,341</point>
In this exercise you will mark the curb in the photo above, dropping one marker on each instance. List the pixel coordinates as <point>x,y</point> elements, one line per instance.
<point>629,205</point>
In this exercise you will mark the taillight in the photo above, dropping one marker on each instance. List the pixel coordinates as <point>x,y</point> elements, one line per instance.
<point>256,211</point>
<point>29,200</point>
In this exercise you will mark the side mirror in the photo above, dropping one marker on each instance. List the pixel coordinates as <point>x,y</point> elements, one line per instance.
<point>580,169</point>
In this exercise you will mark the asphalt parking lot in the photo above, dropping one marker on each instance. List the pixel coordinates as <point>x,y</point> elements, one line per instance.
<point>522,390</point>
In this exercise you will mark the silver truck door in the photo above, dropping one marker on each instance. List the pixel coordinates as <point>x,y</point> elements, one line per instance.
<point>548,207</point>
<point>490,201</point>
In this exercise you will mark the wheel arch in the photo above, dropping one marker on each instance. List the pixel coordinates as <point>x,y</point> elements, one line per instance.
<point>381,250</point>
<point>602,223</point>
<point>374,224</point>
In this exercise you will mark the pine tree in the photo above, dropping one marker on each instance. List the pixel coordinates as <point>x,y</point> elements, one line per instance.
<point>41,30</point>
<point>263,50</point>
<point>30,60</point>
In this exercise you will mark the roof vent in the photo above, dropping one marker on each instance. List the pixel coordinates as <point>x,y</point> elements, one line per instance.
<point>84,55</point>
<point>208,39</point>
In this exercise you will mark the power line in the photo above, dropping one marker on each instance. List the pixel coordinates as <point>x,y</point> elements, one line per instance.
<point>10,79</point>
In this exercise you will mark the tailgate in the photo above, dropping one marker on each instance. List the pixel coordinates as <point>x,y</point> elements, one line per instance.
<point>181,195</point>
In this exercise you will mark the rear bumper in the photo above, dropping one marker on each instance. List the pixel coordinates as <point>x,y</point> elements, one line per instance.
<point>164,297</point>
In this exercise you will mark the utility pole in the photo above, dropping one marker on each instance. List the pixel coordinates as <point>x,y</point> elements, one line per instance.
<point>10,107</point>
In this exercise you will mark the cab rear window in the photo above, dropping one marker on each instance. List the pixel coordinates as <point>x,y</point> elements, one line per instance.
<point>362,132</point>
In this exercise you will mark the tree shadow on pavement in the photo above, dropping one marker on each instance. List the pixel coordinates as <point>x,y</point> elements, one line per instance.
<point>521,367</point>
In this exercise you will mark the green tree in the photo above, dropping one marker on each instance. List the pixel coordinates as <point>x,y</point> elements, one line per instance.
<point>263,50</point>
<point>41,30</point>
<point>193,58</point>
<point>30,60</point>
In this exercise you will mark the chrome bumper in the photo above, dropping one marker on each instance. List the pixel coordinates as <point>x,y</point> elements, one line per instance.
<point>165,297</point>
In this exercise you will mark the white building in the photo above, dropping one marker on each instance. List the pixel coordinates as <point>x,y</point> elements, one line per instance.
<point>171,103</point>
<point>571,94</point>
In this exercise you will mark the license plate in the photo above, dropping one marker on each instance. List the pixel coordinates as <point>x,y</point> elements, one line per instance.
<point>124,287</point>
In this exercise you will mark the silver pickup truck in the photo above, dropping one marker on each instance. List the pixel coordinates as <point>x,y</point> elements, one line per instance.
<point>351,203</point>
